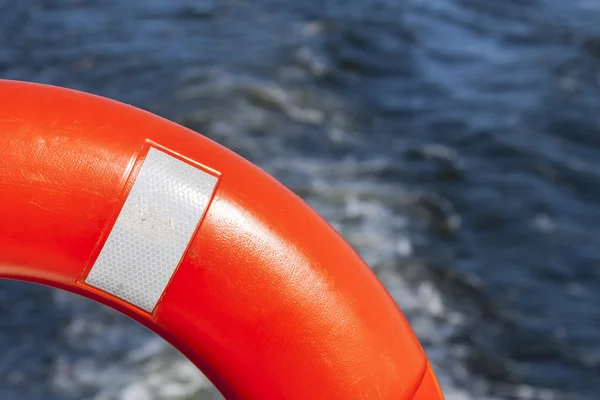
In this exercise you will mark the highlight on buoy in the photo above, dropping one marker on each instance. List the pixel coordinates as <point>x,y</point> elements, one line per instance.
<point>199,245</point>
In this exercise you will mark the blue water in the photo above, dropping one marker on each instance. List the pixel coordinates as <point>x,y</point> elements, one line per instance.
<point>454,143</point>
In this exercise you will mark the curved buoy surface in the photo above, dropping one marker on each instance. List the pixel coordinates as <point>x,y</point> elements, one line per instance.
<point>199,245</point>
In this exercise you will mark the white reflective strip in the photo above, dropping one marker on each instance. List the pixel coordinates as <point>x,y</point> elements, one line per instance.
<point>153,230</point>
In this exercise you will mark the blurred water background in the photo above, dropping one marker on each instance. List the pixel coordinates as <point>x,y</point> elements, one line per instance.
<point>454,143</point>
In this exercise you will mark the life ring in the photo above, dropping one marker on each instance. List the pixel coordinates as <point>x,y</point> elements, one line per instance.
<point>202,247</point>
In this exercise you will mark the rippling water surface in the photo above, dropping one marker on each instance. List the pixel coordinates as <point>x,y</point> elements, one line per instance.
<point>454,143</point>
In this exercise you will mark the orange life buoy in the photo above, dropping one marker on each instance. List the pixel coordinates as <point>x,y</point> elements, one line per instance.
<point>199,245</point>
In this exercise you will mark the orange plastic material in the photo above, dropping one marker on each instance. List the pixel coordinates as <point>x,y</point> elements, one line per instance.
<point>268,301</point>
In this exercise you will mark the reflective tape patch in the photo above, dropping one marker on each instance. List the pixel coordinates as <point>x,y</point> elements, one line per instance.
<point>153,230</point>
